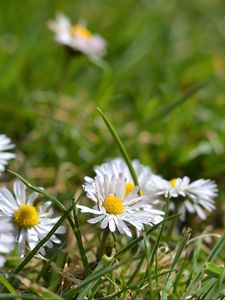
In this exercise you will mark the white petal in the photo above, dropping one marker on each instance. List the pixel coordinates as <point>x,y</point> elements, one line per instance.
<point>85,209</point>
<point>19,190</point>
<point>96,219</point>
<point>104,222</point>
<point>112,226</point>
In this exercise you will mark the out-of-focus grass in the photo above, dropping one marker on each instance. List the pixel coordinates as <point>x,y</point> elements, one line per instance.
<point>157,51</point>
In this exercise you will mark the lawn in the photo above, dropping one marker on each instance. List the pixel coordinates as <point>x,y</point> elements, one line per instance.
<point>160,89</point>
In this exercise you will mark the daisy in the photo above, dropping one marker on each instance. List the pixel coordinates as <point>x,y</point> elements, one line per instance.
<point>197,195</point>
<point>7,240</point>
<point>31,222</point>
<point>5,144</point>
<point>117,166</point>
<point>115,208</point>
<point>77,37</point>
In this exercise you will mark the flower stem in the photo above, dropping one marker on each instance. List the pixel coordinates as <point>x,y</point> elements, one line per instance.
<point>80,241</point>
<point>171,227</point>
<point>101,249</point>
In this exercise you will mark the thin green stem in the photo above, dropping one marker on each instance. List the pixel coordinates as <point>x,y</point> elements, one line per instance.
<point>101,249</point>
<point>170,228</point>
<point>156,245</point>
<point>136,270</point>
<point>80,241</point>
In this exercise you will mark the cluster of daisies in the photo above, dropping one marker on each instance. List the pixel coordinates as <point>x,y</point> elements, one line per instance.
<point>119,205</point>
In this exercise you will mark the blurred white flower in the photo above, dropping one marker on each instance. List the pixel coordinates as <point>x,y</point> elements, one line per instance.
<point>118,166</point>
<point>5,144</point>
<point>115,208</point>
<point>77,37</point>
<point>7,240</point>
<point>31,223</point>
<point>197,195</point>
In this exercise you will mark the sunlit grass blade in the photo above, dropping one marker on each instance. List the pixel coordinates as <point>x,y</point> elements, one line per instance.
<point>214,271</point>
<point>8,286</point>
<point>220,244</point>
<point>120,146</point>
<point>40,190</point>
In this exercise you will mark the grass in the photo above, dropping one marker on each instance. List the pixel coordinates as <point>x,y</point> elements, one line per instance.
<point>161,87</point>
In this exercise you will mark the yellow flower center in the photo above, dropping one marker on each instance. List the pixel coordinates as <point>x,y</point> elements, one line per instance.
<point>80,31</point>
<point>173,182</point>
<point>26,216</point>
<point>129,188</point>
<point>113,205</point>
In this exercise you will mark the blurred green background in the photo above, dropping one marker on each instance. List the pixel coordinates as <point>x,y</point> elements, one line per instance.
<point>157,52</point>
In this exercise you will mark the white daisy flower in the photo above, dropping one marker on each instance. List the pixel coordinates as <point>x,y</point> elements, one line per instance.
<point>77,37</point>
<point>198,195</point>
<point>31,222</point>
<point>116,209</point>
<point>7,240</point>
<point>5,144</point>
<point>118,166</point>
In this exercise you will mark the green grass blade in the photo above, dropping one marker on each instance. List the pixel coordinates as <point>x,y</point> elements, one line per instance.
<point>137,240</point>
<point>136,270</point>
<point>179,251</point>
<point>120,146</point>
<point>166,109</point>
<point>40,190</point>
<point>101,265</point>
<point>77,233</point>
<point>214,271</point>
<point>55,276</point>
<point>23,296</point>
<point>220,245</point>
<point>8,286</point>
